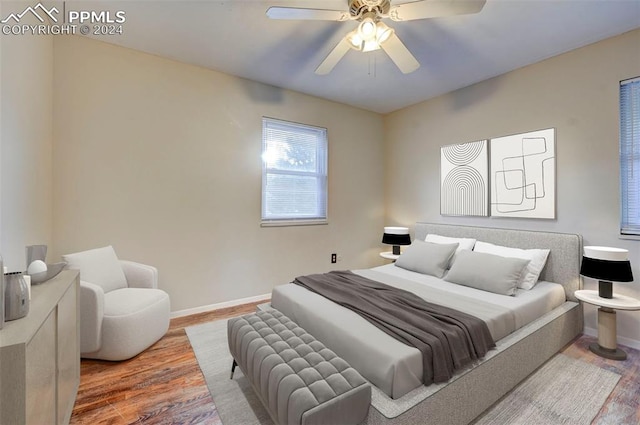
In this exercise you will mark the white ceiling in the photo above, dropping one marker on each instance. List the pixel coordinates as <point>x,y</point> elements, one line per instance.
<point>237,38</point>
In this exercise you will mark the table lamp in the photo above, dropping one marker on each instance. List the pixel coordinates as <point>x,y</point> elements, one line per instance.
<point>396,236</point>
<point>607,265</point>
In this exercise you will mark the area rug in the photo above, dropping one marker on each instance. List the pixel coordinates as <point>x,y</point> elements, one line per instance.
<point>235,400</point>
<point>563,391</point>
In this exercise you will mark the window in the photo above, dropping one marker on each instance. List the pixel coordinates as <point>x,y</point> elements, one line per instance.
<point>294,173</point>
<point>630,156</point>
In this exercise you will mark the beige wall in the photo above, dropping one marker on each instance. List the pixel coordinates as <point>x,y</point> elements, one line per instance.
<point>577,93</point>
<point>163,161</point>
<point>26,138</point>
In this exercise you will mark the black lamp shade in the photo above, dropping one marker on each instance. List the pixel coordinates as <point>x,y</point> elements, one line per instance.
<point>608,270</point>
<point>396,236</point>
<point>391,239</point>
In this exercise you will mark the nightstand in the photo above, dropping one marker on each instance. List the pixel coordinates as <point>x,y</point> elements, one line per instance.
<point>607,346</point>
<point>389,255</point>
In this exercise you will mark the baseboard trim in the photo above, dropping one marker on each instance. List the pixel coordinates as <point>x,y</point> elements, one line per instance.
<point>621,340</point>
<point>218,306</point>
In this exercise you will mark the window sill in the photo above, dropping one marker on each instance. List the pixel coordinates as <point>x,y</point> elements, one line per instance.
<point>287,223</point>
<point>629,237</point>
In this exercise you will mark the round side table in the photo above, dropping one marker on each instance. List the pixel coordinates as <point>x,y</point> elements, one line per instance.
<point>607,346</point>
<point>389,255</point>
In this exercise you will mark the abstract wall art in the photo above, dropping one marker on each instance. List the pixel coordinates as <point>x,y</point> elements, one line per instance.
<point>464,188</point>
<point>523,175</point>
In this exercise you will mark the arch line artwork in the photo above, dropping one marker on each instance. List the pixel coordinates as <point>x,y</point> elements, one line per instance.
<point>464,188</point>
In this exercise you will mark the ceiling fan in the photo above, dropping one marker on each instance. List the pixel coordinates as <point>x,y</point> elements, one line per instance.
<point>373,34</point>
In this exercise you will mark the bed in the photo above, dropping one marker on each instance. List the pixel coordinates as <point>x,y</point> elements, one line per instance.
<point>529,329</point>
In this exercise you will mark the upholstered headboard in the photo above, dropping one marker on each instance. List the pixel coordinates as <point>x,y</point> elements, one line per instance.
<point>563,263</point>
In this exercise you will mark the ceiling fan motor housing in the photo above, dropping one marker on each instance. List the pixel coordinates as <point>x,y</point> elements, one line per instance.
<point>358,7</point>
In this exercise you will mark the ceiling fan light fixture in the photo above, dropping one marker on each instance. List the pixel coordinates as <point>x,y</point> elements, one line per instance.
<point>367,29</point>
<point>355,41</point>
<point>370,46</point>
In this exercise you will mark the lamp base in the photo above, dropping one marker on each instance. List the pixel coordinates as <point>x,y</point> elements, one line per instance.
<point>396,250</point>
<point>605,289</point>
<point>616,354</point>
<point>607,345</point>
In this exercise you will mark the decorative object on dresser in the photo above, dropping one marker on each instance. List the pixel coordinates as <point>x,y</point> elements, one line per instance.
<point>16,296</point>
<point>464,179</point>
<point>396,236</point>
<point>523,175</point>
<point>35,253</point>
<point>37,269</point>
<point>122,310</point>
<point>607,265</point>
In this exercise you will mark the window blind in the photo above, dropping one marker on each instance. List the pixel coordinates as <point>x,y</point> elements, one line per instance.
<point>630,156</point>
<point>294,173</point>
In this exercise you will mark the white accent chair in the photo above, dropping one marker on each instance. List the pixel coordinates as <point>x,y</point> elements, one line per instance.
<point>122,313</point>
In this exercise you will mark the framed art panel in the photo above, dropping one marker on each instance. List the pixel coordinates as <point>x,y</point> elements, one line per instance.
<point>523,175</point>
<point>464,188</point>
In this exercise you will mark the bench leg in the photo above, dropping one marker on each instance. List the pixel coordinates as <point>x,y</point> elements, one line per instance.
<point>233,368</point>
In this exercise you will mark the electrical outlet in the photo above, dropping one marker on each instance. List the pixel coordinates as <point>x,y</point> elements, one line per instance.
<point>334,258</point>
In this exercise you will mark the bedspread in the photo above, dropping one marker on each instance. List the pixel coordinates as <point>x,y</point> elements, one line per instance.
<point>447,338</point>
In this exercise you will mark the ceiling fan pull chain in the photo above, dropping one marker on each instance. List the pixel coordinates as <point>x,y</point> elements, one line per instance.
<point>373,68</point>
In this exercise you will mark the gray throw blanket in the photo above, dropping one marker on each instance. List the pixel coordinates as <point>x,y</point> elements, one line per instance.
<point>448,339</point>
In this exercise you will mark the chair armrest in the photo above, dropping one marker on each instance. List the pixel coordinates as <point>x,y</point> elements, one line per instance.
<point>139,275</point>
<point>91,313</point>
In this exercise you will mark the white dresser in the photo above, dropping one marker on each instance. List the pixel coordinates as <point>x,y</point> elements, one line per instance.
<point>40,355</point>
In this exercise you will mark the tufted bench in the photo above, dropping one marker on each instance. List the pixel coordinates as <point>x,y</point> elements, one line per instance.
<point>296,377</point>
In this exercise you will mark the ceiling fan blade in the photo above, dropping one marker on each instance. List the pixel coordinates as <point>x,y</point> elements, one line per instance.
<point>276,12</point>
<point>434,9</point>
<point>333,58</point>
<point>400,55</point>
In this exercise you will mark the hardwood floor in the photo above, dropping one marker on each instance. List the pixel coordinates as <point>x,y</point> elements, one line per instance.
<point>164,385</point>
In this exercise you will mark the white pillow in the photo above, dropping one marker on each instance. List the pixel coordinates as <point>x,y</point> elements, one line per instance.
<point>464,244</point>
<point>537,257</point>
<point>99,266</point>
